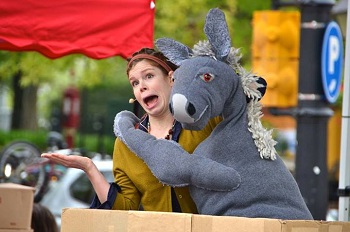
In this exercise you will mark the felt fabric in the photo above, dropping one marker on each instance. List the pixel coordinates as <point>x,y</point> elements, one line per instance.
<point>177,128</point>
<point>167,152</point>
<point>236,170</point>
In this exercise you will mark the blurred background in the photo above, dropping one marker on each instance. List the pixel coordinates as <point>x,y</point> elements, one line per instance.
<point>79,96</point>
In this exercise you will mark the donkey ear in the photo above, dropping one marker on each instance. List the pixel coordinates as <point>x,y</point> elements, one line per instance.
<point>217,32</point>
<point>175,51</point>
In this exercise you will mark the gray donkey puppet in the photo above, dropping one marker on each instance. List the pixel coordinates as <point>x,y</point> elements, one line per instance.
<point>235,171</point>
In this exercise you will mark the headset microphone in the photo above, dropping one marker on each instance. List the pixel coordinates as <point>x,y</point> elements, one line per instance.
<point>132,100</point>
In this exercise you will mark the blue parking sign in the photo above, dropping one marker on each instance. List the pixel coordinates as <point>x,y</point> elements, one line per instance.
<point>332,61</point>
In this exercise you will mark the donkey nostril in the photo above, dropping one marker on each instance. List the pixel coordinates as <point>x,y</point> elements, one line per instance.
<point>171,108</point>
<point>190,109</point>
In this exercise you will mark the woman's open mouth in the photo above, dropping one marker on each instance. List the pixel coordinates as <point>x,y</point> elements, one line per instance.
<point>150,101</point>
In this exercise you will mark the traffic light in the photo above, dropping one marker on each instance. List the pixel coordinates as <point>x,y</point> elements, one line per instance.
<point>275,52</point>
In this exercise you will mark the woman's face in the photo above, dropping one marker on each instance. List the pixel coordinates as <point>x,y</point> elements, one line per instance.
<point>151,87</point>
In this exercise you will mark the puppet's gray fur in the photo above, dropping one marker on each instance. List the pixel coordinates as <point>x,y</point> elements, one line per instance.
<point>235,171</point>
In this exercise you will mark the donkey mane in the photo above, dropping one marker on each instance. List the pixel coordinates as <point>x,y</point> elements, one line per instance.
<point>262,137</point>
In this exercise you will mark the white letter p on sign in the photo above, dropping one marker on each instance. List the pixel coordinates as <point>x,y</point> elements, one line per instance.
<point>333,51</point>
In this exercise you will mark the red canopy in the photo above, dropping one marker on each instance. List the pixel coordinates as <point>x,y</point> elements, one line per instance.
<point>96,28</point>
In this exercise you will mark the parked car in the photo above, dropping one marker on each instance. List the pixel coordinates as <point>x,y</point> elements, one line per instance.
<point>74,189</point>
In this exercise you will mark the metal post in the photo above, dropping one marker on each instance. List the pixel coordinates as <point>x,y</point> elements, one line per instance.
<point>313,110</point>
<point>344,175</point>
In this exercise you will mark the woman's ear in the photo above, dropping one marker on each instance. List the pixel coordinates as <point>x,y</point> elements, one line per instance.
<point>170,76</point>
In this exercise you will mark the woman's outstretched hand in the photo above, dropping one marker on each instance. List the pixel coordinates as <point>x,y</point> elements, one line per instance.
<point>98,181</point>
<point>70,161</point>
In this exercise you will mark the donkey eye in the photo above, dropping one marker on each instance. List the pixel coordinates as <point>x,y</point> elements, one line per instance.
<point>207,77</point>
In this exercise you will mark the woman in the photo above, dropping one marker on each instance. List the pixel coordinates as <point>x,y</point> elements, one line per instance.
<point>150,75</point>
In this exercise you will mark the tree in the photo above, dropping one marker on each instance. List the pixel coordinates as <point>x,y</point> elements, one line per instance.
<point>27,72</point>
<point>184,20</point>
<point>24,71</point>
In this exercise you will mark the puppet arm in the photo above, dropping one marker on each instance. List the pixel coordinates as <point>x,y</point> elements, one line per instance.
<point>170,163</point>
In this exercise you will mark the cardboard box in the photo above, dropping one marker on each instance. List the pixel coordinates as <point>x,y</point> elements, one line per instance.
<point>74,220</point>
<point>204,223</point>
<point>93,220</point>
<point>16,205</point>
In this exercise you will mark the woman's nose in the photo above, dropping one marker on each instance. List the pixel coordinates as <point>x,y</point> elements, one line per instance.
<point>142,86</point>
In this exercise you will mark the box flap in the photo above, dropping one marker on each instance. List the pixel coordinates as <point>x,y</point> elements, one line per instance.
<point>15,186</point>
<point>206,223</point>
<point>159,221</point>
<point>315,226</point>
<point>74,219</point>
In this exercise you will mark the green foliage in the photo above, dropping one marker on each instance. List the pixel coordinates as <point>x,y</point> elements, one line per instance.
<point>8,64</point>
<point>59,73</point>
<point>241,30</point>
<point>105,72</point>
<point>92,143</point>
<point>184,20</point>
<point>38,138</point>
<point>35,68</point>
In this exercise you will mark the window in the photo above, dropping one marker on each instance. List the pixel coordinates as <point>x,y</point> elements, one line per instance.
<point>81,189</point>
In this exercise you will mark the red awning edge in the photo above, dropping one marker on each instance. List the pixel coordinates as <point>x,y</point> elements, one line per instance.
<point>98,29</point>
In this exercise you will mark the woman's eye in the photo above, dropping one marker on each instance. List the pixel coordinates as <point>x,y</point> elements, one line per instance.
<point>207,77</point>
<point>148,76</point>
<point>134,83</point>
<point>172,79</point>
